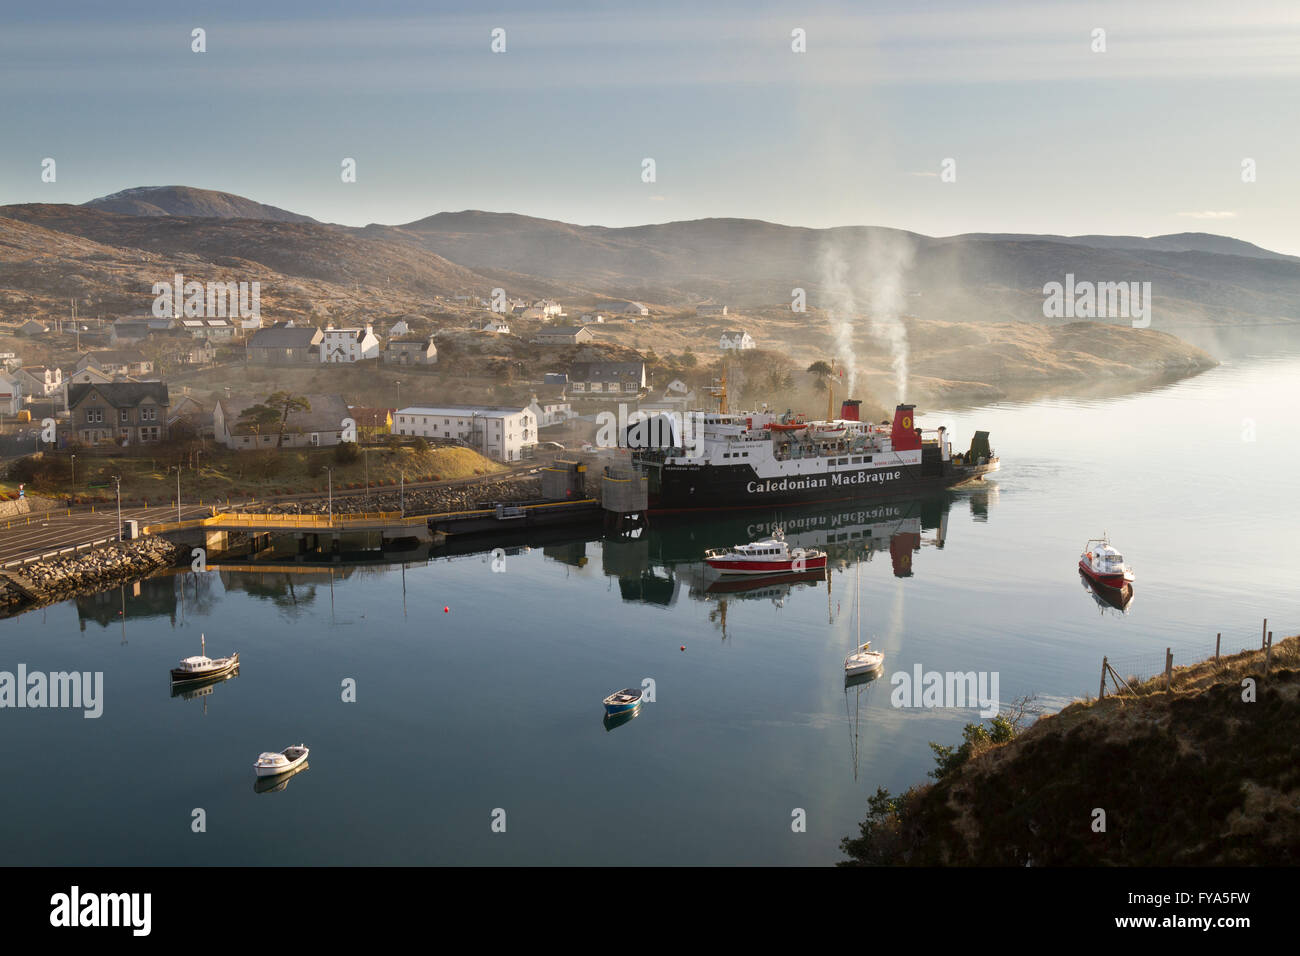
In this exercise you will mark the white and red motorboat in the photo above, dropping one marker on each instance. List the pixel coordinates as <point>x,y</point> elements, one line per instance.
<point>1102,564</point>
<point>771,556</point>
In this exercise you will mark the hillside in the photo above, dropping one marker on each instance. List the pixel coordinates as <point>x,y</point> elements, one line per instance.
<point>188,201</point>
<point>1191,776</point>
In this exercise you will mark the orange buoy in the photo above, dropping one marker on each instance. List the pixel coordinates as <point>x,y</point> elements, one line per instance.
<point>446,610</point>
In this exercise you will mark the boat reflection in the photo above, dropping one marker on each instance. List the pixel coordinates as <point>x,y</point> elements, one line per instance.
<point>279,782</point>
<point>1108,599</point>
<point>202,688</point>
<point>618,720</point>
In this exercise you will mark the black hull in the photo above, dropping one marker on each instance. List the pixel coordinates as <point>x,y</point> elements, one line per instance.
<point>682,488</point>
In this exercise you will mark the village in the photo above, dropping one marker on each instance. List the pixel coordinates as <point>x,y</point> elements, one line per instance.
<point>172,406</point>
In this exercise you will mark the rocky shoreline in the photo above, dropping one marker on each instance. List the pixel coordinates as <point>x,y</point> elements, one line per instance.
<point>89,571</point>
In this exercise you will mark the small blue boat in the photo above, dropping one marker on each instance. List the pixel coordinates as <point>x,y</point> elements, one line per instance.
<point>624,701</point>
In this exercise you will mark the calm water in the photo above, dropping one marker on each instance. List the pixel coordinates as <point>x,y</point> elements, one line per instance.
<point>496,704</point>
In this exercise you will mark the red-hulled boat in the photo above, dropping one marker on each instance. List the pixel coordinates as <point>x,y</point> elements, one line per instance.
<point>772,556</point>
<point>1105,566</point>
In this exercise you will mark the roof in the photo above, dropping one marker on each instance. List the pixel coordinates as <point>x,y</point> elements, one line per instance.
<point>283,337</point>
<point>423,342</point>
<point>120,394</point>
<point>563,330</point>
<point>605,371</point>
<point>326,414</point>
<point>735,332</point>
<point>462,411</point>
<point>114,357</point>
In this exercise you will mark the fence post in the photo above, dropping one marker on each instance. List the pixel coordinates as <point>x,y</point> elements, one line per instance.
<point>1101,692</point>
<point>1217,638</point>
<point>1263,634</point>
<point>1169,667</point>
<point>1268,653</point>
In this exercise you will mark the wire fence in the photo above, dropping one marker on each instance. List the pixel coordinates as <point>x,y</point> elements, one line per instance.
<point>1121,674</point>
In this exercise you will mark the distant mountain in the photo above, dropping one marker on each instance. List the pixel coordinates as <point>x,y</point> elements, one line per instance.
<point>1201,284</point>
<point>188,201</point>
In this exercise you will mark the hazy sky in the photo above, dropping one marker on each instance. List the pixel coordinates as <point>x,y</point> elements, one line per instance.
<point>1145,138</point>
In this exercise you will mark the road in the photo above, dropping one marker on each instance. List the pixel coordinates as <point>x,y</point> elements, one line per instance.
<point>30,536</point>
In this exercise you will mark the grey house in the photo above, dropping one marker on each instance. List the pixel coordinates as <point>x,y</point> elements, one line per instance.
<point>285,344</point>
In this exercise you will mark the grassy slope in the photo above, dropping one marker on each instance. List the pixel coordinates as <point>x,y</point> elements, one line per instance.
<point>1193,776</point>
<point>225,473</point>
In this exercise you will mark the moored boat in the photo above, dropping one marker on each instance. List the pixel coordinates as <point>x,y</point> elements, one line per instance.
<point>770,556</point>
<point>202,667</point>
<point>1103,565</point>
<point>863,661</point>
<point>273,764</point>
<point>622,702</point>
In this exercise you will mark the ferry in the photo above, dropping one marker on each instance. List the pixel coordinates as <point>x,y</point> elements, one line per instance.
<point>755,459</point>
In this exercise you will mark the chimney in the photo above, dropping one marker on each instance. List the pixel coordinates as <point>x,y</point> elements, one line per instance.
<point>849,410</point>
<point>906,436</point>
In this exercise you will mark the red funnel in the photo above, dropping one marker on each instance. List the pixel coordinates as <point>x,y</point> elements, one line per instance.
<point>849,410</point>
<point>906,435</point>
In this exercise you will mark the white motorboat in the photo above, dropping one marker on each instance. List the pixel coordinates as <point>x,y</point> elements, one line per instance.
<point>273,764</point>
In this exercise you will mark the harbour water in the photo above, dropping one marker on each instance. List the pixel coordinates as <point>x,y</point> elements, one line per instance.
<point>490,712</point>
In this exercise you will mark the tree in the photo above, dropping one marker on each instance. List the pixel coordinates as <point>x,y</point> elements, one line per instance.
<point>688,359</point>
<point>274,410</point>
<point>820,369</point>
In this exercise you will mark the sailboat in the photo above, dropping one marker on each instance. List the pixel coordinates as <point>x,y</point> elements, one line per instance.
<point>864,660</point>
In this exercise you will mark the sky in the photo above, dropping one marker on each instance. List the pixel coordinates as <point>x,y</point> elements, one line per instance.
<point>1046,134</point>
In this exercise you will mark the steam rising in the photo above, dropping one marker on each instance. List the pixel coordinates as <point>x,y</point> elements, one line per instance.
<point>879,269</point>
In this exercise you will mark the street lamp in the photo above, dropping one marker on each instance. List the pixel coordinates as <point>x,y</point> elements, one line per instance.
<point>178,492</point>
<point>118,479</point>
<point>74,471</point>
<point>330,473</point>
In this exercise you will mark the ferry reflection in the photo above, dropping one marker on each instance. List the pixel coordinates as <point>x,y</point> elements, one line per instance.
<point>1108,600</point>
<point>278,782</point>
<point>651,569</point>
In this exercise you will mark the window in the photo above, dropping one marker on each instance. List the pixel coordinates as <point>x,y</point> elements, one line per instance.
<point>148,414</point>
<point>124,416</point>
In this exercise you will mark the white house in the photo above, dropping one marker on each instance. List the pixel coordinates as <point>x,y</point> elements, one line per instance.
<point>736,339</point>
<point>550,411</point>
<point>401,328</point>
<point>709,308</point>
<point>497,326</point>
<point>500,432</point>
<point>11,394</point>
<point>37,381</point>
<point>348,345</point>
<point>549,307</point>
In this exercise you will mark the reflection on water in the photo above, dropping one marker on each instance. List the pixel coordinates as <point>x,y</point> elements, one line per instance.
<point>1109,600</point>
<point>279,781</point>
<point>614,721</point>
<point>192,690</point>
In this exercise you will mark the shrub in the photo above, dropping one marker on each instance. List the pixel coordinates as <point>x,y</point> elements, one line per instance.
<point>346,452</point>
